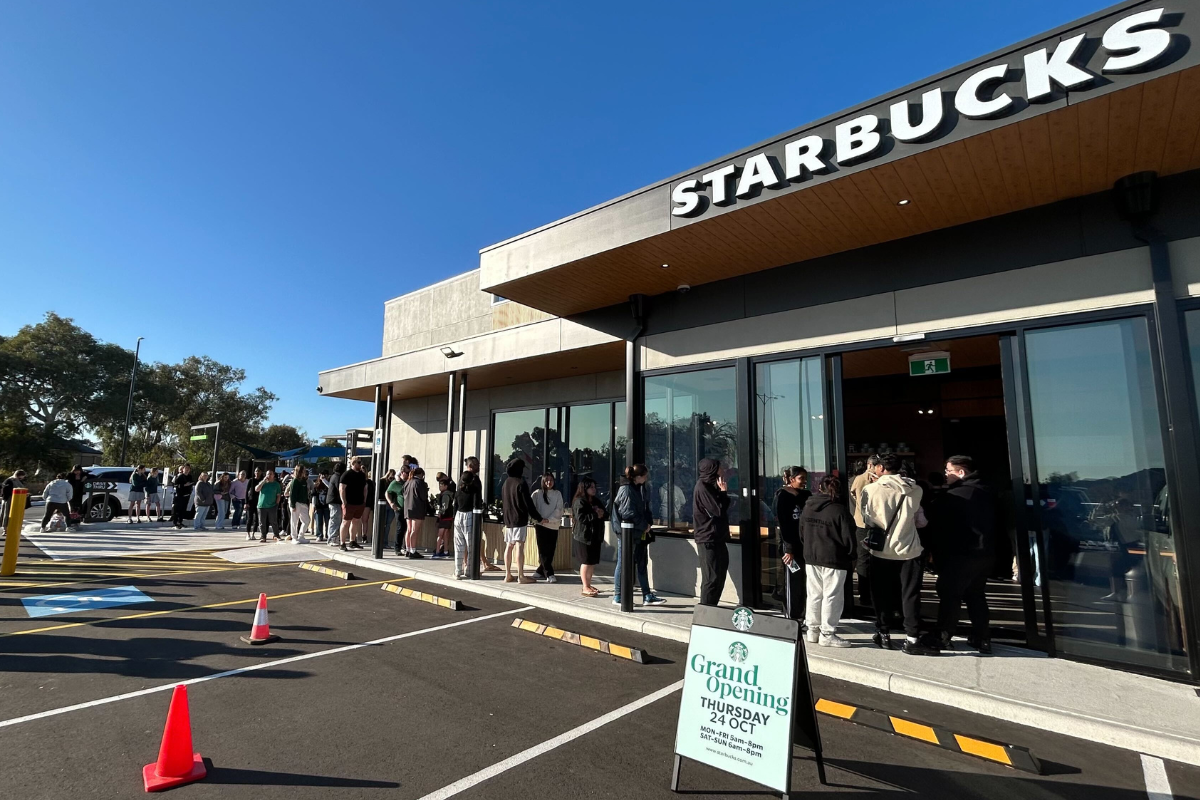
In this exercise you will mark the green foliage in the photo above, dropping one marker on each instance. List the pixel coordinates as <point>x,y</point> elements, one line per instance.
<point>279,438</point>
<point>58,382</point>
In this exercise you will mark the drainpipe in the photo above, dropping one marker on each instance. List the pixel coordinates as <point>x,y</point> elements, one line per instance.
<point>1137,198</point>
<point>637,305</point>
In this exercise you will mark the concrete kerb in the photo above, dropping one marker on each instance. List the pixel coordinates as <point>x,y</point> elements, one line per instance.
<point>1068,723</point>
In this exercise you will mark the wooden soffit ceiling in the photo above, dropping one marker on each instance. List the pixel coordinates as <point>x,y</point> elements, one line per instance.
<point>1080,145</point>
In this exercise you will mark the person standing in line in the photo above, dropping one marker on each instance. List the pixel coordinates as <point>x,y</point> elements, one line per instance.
<point>153,500</point>
<point>298,500</point>
<point>548,511</point>
<point>890,507</point>
<point>789,504</point>
<point>963,518</point>
<point>285,516</point>
<point>353,490</point>
<point>827,531</point>
<point>137,493</point>
<point>78,479</point>
<point>467,500</point>
<point>383,505</point>
<point>394,495</point>
<point>587,533</point>
<point>631,511</point>
<point>15,481</point>
<point>184,483</point>
<point>518,508</point>
<point>862,563</point>
<point>269,490</point>
<point>710,520</point>
<point>365,533</point>
<point>237,497</point>
<point>222,492</point>
<point>57,496</point>
<point>336,505</point>
<point>416,508</point>
<point>320,505</point>
<point>202,499</point>
<point>252,505</point>
<point>445,516</point>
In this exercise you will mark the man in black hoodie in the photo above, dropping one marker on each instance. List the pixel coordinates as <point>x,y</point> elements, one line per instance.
<point>963,518</point>
<point>710,520</point>
<point>518,507</point>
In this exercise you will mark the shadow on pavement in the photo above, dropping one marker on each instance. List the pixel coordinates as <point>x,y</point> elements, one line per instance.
<point>258,777</point>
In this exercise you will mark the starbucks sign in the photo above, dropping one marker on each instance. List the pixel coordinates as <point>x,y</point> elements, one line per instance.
<point>737,705</point>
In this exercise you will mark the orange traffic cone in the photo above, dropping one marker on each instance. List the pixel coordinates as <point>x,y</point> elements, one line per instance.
<point>176,764</point>
<point>260,633</point>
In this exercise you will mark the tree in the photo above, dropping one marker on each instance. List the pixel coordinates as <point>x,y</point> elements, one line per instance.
<point>279,438</point>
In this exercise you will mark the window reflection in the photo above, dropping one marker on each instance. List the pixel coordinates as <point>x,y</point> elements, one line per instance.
<point>790,413</point>
<point>689,417</point>
<point>1113,578</point>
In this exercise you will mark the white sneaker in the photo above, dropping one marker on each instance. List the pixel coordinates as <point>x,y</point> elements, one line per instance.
<point>813,635</point>
<point>552,579</point>
<point>833,640</point>
<point>299,540</point>
<point>616,600</point>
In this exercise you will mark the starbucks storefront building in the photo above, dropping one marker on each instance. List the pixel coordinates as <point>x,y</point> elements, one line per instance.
<point>1002,261</point>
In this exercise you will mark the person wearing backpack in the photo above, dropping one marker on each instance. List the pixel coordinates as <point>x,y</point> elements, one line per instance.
<point>631,509</point>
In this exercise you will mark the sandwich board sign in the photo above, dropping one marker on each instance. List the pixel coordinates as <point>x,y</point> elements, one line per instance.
<point>747,697</point>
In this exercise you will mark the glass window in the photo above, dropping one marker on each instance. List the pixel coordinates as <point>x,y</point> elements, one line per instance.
<point>790,413</point>
<point>590,436</point>
<point>1110,559</point>
<point>689,416</point>
<point>518,434</point>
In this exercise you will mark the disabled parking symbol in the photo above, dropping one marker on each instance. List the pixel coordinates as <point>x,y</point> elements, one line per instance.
<point>48,605</point>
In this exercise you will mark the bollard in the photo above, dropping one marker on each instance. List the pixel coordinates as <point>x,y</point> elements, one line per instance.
<point>12,537</point>
<point>476,543</point>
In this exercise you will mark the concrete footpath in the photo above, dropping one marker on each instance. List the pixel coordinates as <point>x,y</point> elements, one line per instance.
<point>1133,712</point>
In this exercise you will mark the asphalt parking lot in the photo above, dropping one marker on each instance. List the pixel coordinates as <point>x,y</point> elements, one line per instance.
<point>430,711</point>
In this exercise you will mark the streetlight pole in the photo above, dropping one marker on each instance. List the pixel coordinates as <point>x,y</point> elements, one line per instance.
<point>129,408</point>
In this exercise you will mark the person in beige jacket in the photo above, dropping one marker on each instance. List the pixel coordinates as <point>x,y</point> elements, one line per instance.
<point>893,504</point>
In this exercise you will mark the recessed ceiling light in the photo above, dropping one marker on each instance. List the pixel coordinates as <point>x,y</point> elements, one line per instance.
<point>664,266</point>
<point>903,202</point>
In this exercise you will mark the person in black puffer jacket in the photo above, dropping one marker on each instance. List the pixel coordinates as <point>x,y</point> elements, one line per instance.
<point>789,502</point>
<point>963,522</point>
<point>827,531</point>
<point>710,521</point>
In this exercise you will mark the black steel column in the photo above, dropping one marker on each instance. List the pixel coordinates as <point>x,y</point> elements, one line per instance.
<point>377,469</point>
<point>748,521</point>
<point>633,455</point>
<point>1181,440</point>
<point>450,425</point>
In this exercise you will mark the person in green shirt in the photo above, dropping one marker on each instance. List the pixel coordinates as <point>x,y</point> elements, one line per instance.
<point>297,494</point>
<point>395,500</point>
<point>268,510</point>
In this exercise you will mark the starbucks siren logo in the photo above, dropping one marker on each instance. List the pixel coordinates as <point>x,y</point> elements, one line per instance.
<point>739,652</point>
<point>743,618</point>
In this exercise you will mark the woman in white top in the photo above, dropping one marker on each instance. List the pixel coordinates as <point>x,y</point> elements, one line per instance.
<point>549,505</point>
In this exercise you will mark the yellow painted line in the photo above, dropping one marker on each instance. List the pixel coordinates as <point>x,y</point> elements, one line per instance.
<point>914,730</point>
<point>191,608</point>
<point>111,576</point>
<point>835,709</point>
<point>992,752</point>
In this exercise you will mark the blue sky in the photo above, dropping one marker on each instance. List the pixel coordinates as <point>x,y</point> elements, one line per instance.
<point>251,181</point>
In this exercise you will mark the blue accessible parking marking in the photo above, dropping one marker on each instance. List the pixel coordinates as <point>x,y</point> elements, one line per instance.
<point>48,605</point>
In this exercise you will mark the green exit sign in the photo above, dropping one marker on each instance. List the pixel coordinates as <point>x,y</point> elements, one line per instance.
<point>203,436</point>
<point>929,364</point>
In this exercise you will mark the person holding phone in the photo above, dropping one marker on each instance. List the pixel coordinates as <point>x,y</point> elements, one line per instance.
<point>710,518</point>
<point>789,502</point>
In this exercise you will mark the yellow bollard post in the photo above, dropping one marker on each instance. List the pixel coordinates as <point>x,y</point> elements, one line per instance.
<point>12,538</point>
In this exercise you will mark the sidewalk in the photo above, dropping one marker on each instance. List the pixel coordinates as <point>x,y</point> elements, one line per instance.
<point>1102,705</point>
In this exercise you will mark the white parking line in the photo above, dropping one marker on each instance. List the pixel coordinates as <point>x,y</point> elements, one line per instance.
<point>265,665</point>
<point>548,745</point>
<point>1155,773</point>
